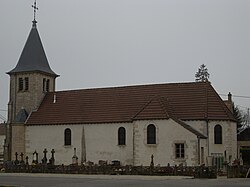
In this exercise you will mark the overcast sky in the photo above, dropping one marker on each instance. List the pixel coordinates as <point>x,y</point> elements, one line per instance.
<point>103,43</point>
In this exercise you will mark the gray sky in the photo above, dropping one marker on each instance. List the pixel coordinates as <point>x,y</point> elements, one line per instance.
<point>100,43</point>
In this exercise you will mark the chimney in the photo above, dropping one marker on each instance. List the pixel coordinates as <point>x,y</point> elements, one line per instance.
<point>229,102</point>
<point>229,97</point>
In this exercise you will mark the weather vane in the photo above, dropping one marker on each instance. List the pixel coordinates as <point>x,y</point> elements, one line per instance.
<point>35,9</point>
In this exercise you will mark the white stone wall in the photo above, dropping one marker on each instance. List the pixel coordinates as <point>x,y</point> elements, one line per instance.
<point>52,137</point>
<point>199,125</point>
<point>101,142</point>
<point>168,132</point>
<point>229,139</point>
<point>18,140</point>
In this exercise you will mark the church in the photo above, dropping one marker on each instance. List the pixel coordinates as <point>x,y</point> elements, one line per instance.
<point>177,123</point>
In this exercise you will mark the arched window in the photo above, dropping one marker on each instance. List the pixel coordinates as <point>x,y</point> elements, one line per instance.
<point>218,134</point>
<point>67,137</point>
<point>151,134</point>
<point>121,136</point>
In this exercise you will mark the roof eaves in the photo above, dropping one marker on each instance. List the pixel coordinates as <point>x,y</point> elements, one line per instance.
<point>76,123</point>
<point>223,105</point>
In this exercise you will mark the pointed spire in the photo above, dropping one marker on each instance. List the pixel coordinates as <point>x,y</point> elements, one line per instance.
<point>33,57</point>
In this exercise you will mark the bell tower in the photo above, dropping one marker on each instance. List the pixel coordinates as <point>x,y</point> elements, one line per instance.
<point>30,80</point>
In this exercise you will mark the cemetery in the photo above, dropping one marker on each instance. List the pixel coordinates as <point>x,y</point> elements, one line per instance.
<point>47,165</point>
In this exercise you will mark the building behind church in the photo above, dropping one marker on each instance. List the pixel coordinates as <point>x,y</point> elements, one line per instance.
<point>177,123</point>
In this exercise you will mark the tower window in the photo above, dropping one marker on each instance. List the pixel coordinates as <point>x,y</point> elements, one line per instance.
<point>67,137</point>
<point>121,136</point>
<point>151,134</point>
<point>44,84</point>
<point>47,85</point>
<point>26,80</point>
<point>20,84</point>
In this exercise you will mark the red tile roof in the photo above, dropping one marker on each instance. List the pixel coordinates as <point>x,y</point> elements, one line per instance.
<point>183,101</point>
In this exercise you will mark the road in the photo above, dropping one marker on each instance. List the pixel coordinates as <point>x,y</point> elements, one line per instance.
<point>56,180</point>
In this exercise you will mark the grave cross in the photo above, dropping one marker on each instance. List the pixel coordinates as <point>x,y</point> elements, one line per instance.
<point>52,160</point>
<point>22,161</point>
<point>16,161</point>
<point>44,160</point>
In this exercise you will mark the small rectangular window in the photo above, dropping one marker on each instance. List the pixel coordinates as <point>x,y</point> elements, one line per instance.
<point>26,80</point>
<point>44,85</point>
<point>179,150</point>
<point>20,84</point>
<point>47,85</point>
<point>202,155</point>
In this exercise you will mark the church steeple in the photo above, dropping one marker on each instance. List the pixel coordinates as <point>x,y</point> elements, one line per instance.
<point>30,80</point>
<point>33,57</point>
<point>32,77</point>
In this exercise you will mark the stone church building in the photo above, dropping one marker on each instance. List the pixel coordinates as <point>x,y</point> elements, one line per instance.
<point>177,123</point>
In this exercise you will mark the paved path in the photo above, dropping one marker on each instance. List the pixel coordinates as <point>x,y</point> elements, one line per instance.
<point>75,180</point>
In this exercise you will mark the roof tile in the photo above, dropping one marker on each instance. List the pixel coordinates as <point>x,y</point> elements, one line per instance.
<point>184,101</point>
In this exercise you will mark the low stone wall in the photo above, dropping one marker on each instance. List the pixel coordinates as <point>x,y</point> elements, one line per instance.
<point>198,172</point>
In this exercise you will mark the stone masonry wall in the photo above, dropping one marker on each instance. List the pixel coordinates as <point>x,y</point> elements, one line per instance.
<point>18,139</point>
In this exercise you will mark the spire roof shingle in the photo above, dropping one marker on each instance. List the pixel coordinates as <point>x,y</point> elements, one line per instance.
<point>33,57</point>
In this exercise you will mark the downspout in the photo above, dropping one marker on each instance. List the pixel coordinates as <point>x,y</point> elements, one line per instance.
<point>13,112</point>
<point>206,118</point>
<point>83,147</point>
<point>199,158</point>
<point>133,144</point>
<point>208,151</point>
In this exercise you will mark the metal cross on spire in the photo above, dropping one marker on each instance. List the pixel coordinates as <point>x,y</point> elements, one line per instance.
<point>35,9</point>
